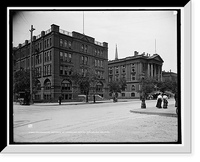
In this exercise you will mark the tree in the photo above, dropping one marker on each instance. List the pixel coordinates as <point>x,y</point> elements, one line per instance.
<point>117,86</point>
<point>85,80</point>
<point>147,86</point>
<point>168,85</point>
<point>21,80</point>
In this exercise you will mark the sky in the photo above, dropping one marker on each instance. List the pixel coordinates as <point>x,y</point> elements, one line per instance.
<point>129,30</point>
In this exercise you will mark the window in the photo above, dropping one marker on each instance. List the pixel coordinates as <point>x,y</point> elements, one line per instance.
<point>99,87</point>
<point>65,57</point>
<point>70,57</point>
<point>38,71</point>
<point>95,51</point>
<point>116,70</point>
<point>65,43</point>
<point>123,94</point>
<point>110,71</point>
<point>61,56</point>
<point>61,69</point>
<point>86,48</point>
<point>84,60</point>
<point>66,85</point>
<point>95,62</point>
<point>101,53</point>
<point>82,47</point>
<point>47,70</point>
<point>47,84</point>
<point>123,69</point>
<point>50,56</point>
<point>110,79</point>
<point>61,42</point>
<point>101,63</point>
<point>47,42</point>
<point>50,42</point>
<point>70,44</point>
<point>133,94</point>
<point>132,76</point>
<point>133,87</point>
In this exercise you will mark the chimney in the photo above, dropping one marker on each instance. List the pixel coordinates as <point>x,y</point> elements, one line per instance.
<point>116,54</point>
<point>135,53</point>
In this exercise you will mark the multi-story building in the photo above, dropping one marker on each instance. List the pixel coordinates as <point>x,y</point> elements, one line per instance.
<point>169,75</point>
<point>132,69</point>
<point>54,53</point>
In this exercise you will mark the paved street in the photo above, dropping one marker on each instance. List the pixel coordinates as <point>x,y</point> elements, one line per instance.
<point>101,122</point>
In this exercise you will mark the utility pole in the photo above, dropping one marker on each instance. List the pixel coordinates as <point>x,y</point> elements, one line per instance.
<point>155,46</point>
<point>83,22</point>
<point>31,86</point>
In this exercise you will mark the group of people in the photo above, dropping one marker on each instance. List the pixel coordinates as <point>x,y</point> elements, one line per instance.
<point>162,101</point>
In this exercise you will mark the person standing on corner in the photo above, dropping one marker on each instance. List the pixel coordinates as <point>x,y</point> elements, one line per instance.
<point>165,101</point>
<point>159,101</point>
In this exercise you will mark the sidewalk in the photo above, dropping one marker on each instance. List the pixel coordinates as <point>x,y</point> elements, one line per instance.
<point>78,103</point>
<point>170,111</point>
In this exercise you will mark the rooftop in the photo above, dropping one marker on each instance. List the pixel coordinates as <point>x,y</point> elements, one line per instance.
<point>136,56</point>
<point>70,34</point>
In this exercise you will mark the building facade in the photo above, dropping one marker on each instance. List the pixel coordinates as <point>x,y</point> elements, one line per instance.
<point>132,69</point>
<point>54,53</point>
<point>169,75</point>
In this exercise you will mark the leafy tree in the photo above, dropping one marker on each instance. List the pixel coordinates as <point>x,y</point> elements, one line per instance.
<point>85,80</point>
<point>168,85</point>
<point>21,81</point>
<point>147,86</point>
<point>117,86</point>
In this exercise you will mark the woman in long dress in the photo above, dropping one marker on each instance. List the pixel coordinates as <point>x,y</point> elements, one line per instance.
<point>159,101</point>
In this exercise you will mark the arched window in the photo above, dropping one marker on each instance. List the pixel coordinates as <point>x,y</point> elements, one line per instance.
<point>133,87</point>
<point>66,85</point>
<point>99,87</point>
<point>47,84</point>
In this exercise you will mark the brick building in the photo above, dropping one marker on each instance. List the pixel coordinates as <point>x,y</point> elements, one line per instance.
<point>132,68</point>
<point>54,52</point>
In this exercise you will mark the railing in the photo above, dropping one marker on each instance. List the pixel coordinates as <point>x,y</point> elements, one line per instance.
<point>98,43</point>
<point>65,32</point>
<point>48,31</point>
<point>38,36</point>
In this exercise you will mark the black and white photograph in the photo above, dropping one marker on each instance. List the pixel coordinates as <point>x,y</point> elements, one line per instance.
<point>95,76</point>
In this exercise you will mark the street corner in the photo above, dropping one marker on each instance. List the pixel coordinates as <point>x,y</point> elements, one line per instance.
<point>169,111</point>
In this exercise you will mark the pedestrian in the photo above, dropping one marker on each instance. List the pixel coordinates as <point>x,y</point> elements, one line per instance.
<point>60,99</point>
<point>175,97</point>
<point>159,101</point>
<point>165,101</point>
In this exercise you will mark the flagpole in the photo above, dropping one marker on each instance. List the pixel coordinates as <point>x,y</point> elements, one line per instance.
<point>83,22</point>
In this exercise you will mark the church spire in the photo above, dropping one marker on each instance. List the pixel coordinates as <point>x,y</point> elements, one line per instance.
<point>116,53</point>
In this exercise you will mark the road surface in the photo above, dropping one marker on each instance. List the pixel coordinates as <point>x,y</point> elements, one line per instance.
<point>84,123</point>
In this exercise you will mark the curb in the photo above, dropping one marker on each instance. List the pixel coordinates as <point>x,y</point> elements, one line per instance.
<point>170,111</point>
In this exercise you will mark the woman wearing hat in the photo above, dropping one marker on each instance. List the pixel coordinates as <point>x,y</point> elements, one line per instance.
<point>165,101</point>
<point>159,101</point>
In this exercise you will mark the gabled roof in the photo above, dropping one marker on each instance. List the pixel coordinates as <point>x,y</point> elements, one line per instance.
<point>155,57</point>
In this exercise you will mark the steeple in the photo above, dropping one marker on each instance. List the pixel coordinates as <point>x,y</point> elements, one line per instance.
<point>116,53</point>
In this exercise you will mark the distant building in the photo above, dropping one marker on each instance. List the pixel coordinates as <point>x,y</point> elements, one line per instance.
<point>169,75</point>
<point>54,52</point>
<point>132,69</point>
